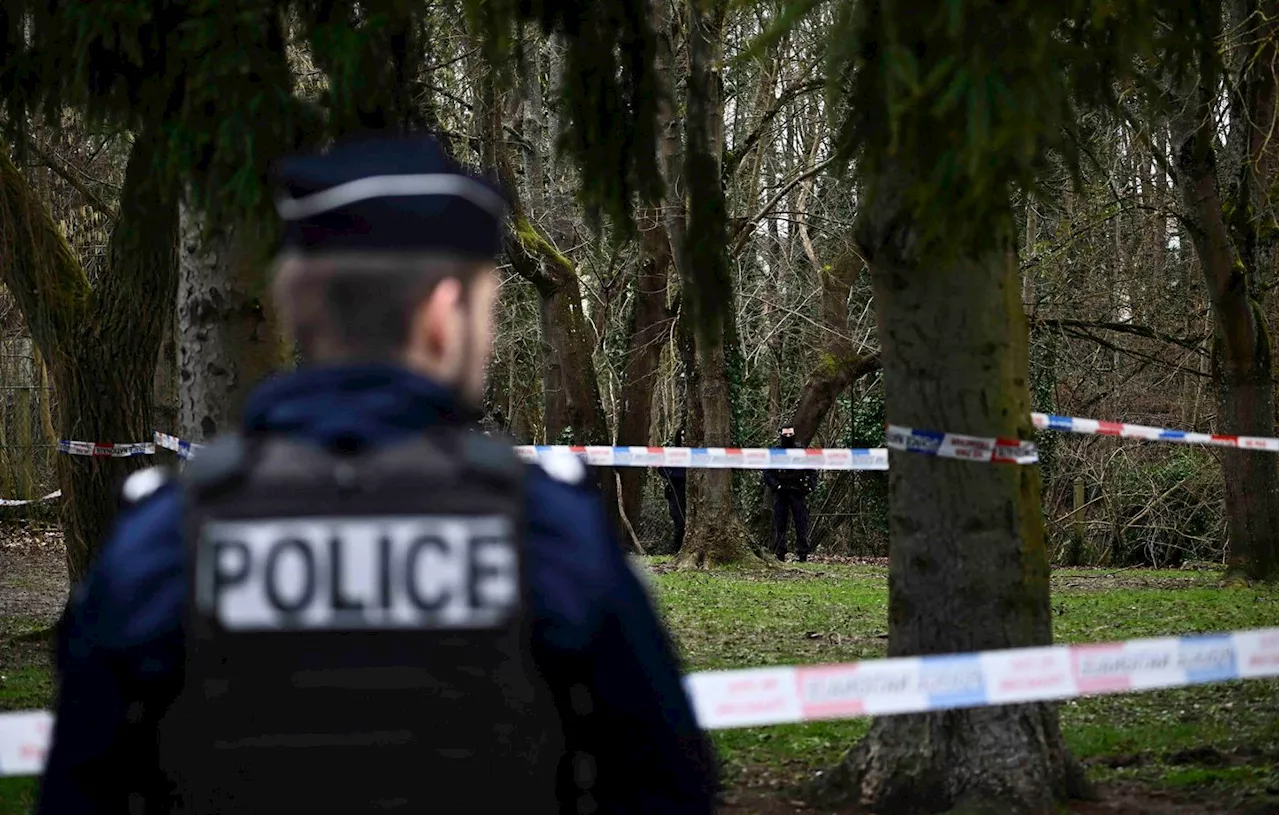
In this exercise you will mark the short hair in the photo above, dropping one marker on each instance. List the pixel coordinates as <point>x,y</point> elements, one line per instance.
<point>358,306</point>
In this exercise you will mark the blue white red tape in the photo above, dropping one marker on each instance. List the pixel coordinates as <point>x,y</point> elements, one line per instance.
<point>106,449</point>
<point>954,445</point>
<point>929,442</point>
<point>1071,424</point>
<point>764,696</point>
<point>799,693</point>
<point>719,458</point>
<point>182,447</point>
<point>19,502</point>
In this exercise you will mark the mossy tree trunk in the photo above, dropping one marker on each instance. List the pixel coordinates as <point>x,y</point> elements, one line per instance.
<point>650,325</point>
<point>101,341</point>
<point>1232,253</point>
<point>715,534</point>
<point>840,363</point>
<point>968,570</point>
<point>571,391</point>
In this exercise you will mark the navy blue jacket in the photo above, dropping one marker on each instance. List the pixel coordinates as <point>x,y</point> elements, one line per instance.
<point>121,650</point>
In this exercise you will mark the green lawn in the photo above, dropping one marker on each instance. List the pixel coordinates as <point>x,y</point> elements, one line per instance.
<point>1208,739</point>
<point>1205,737</point>
<point>26,682</point>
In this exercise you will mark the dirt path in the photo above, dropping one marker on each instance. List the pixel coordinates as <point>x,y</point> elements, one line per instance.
<point>33,573</point>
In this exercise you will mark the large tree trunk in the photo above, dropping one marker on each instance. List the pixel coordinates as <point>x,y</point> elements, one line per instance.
<point>840,364</point>
<point>649,326</point>
<point>165,390</point>
<point>101,342</point>
<point>227,336</point>
<point>715,534</point>
<point>968,569</point>
<point>1242,346</point>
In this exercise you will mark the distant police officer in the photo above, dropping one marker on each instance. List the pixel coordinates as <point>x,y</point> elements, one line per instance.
<point>357,605</point>
<point>790,490</point>
<point>674,482</point>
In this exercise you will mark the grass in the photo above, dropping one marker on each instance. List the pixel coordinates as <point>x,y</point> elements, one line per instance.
<point>1205,739</point>
<point>26,681</point>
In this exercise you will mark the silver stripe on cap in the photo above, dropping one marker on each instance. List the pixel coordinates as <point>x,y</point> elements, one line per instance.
<point>387,186</point>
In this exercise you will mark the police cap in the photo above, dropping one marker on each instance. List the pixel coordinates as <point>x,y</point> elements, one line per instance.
<point>391,193</point>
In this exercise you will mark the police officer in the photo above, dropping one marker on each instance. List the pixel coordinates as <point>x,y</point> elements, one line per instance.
<point>356,604</point>
<point>674,481</point>
<point>790,488</point>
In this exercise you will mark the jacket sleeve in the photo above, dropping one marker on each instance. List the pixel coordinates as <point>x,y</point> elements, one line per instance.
<point>771,480</point>
<point>651,754</point>
<point>86,759</point>
<point>119,654</point>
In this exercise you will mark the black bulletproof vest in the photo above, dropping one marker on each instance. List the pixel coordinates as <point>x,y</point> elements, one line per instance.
<point>359,634</point>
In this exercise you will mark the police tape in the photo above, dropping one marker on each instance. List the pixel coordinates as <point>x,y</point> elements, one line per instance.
<point>955,445</point>
<point>182,447</point>
<point>927,442</point>
<point>21,502</point>
<point>106,449</point>
<point>25,737</point>
<point>798,693</point>
<point>765,696</point>
<point>718,458</point>
<point>1071,424</point>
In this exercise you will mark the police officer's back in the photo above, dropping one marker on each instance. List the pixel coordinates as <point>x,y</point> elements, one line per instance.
<point>358,605</point>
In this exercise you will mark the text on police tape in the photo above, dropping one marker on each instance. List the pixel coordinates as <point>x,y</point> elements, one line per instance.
<point>358,573</point>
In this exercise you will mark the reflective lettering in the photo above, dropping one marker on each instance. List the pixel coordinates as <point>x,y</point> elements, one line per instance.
<point>339,601</point>
<point>492,573</point>
<point>414,576</point>
<point>384,570</point>
<point>359,573</point>
<point>277,570</point>
<point>230,564</point>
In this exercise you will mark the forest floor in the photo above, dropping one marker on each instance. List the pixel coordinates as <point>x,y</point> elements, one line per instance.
<point>1204,749</point>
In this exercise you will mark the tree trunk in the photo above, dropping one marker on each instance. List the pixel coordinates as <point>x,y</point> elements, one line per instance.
<point>649,326</point>
<point>968,570</point>
<point>840,364</point>
<point>1241,346</point>
<point>571,390</point>
<point>166,393</point>
<point>101,342</point>
<point>715,534</point>
<point>228,341</point>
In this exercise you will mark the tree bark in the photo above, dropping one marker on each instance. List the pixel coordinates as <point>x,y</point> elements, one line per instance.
<point>840,364</point>
<point>650,324</point>
<point>228,340</point>
<point>968,570</point>
<point>101,342</point>
<point>572,393</point>
<point>715,534</point>
<point>1242,347</point>
<point>166,393</point>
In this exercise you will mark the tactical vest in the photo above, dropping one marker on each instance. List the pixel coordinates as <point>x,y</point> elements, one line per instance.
<point>358,638</point>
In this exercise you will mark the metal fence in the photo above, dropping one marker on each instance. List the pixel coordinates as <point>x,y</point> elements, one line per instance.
<point>27,440</point>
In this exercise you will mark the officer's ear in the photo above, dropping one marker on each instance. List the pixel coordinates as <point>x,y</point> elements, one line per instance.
<point>435,337</point>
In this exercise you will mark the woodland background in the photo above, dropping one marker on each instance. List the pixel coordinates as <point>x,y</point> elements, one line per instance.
<point>593,344</point>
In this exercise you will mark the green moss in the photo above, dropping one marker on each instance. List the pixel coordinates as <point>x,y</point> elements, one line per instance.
<point>535,244</point>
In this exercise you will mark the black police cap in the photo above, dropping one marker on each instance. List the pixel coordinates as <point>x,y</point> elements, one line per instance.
<point>399,193</point>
